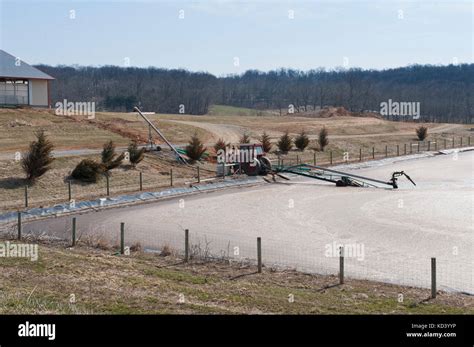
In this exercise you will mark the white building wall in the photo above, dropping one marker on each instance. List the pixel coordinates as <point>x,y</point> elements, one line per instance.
<point>38,93</point>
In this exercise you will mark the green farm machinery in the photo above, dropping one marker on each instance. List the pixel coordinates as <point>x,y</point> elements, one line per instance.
<point>341,179</point>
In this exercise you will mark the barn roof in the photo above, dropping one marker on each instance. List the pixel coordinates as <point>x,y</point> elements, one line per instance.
<point>10,68</point>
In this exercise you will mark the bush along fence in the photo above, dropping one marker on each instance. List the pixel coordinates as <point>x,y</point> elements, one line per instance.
<point>340,261</point>
<point>140,181</point>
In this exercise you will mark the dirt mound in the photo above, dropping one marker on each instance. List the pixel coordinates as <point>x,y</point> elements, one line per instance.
<point>329,112</point>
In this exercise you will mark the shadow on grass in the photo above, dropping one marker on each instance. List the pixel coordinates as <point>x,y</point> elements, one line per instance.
<point>12,182</point>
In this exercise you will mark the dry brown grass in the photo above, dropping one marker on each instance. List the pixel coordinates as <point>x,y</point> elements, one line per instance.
<point>147,283</point>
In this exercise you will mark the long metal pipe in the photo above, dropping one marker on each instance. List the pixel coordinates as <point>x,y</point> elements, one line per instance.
<point>161,135</point>
<point>338,172</point>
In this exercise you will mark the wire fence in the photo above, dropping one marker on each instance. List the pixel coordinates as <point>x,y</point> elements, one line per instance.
<point>22,196</point>
<point>196,245</point>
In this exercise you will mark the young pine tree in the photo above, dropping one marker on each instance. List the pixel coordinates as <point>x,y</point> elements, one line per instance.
<point>323,139</point>
<point>422,133</point>
<point>110,160</point>
<point>135,155</point>
<point>37,161</point>
<point>285,144</point>
<point>265,142</point>
<point>302,141</point>
<point>195,149</point>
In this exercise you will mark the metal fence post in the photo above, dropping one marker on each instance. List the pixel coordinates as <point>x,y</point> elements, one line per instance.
<point>453,141</point>
<point>198,175</point>
<point>386,151</point>
<point>461,141</point>
<point>360,154</point>
<point>341,265</point>
<point>19,225</point>
<point>69,190</point>
<point>330,156</point>
<point>171,177</point>
<point>141,181</point>
<point>429,145</point>
<point>259,254</point>
<point>468,140</point>
<point>373,152</point>
<point>186,245</point>
<point>405,148</point>
<point>398,150</point>
<point>223,171</point>
<point>436,145</point>
<point>108,185</point>
<point>314,158</point>
<point>418,146</point>
<point>73,232</point>
<point>445,143</point>
<point>26,195</point>
<point>411,148</point>
<point>297,159</point>
<point>122,238</point>
<point>433,278</point>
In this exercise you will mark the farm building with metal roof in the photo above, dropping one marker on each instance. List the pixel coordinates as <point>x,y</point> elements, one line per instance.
<point>21,83</point>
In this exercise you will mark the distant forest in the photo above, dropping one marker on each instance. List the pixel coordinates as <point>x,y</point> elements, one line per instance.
<point>445,93</point>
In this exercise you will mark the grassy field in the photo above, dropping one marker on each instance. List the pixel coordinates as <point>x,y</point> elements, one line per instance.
<point>100,282</point>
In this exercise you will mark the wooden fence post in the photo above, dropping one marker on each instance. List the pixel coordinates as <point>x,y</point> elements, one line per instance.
<point>259,254</point>
<point>122,238</point>
<point>433,278</point>
<point>186,245</point>
<point>26,195</point>
<point>19,225</point>
<point>73,243</point>
<point>341,265</point>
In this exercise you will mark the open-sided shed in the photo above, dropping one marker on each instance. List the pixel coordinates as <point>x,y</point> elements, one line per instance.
<point>21,83</point>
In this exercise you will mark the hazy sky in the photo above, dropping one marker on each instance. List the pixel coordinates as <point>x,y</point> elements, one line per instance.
<point>215,35</point>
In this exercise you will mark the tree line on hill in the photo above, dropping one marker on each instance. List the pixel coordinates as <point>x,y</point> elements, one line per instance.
<point>444,93</point>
